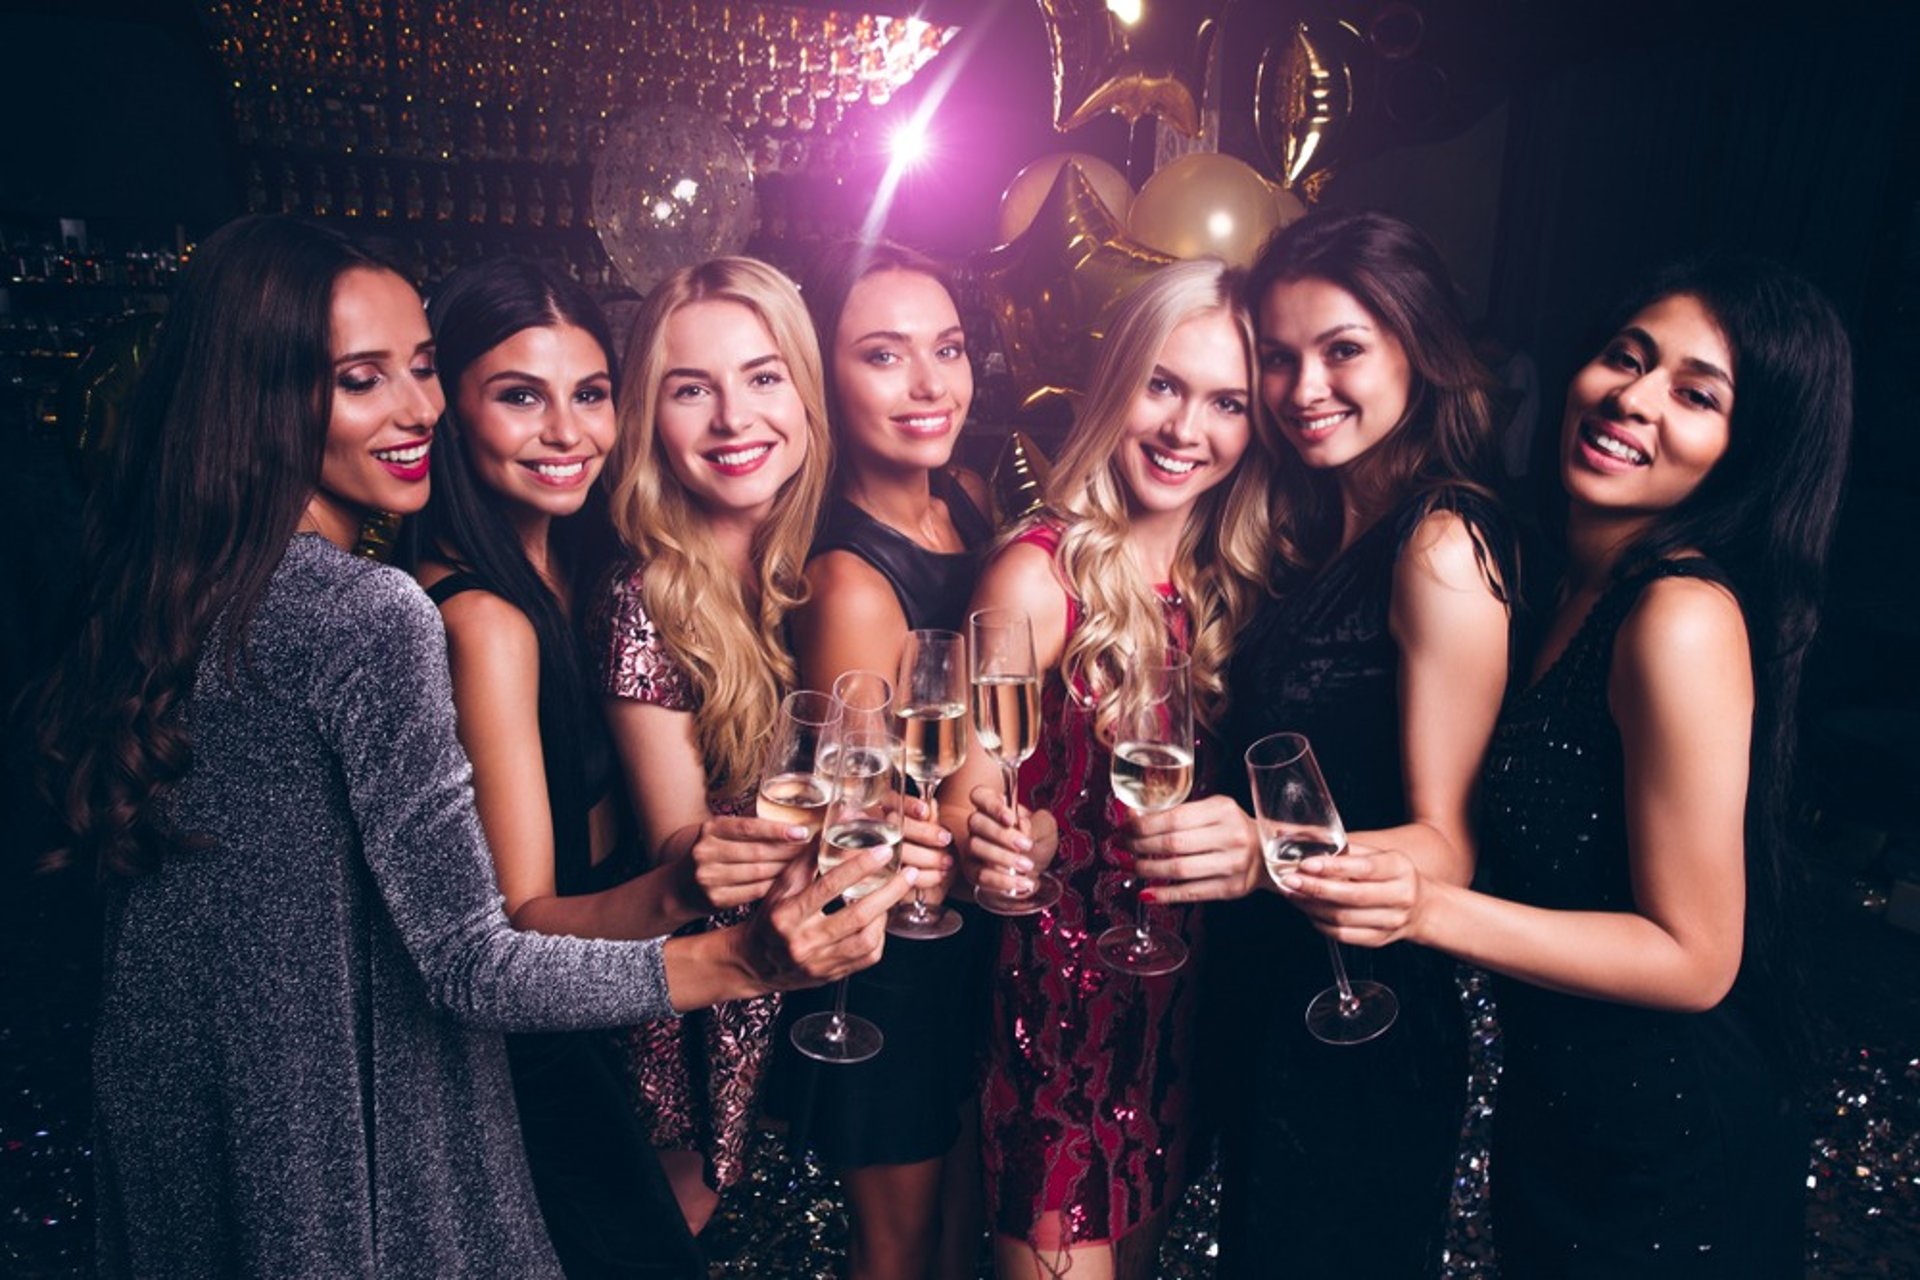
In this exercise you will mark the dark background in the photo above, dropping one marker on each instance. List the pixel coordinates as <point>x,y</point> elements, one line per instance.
<point>1571,146</point>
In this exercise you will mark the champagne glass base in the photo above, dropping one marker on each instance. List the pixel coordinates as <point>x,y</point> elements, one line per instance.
<point>1123,950</point>
<point>1046,892</point>
<point>916,921</point>
<point>1373,1010</point>
<point>827,1037</point>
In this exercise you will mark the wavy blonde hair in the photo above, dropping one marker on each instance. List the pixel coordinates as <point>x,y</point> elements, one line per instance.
<point>732,650</point>
<point>1221,565</point>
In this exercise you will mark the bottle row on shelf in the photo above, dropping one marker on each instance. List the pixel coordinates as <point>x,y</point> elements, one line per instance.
<point>536,198</point>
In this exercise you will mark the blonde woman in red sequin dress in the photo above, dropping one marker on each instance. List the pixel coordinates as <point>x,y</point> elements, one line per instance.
<point>1154,538</point>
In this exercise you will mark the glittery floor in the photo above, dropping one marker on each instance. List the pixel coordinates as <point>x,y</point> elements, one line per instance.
<point>787,1222</point>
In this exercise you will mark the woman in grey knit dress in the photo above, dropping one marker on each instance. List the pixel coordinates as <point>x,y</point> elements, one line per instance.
<point>298,1067</point>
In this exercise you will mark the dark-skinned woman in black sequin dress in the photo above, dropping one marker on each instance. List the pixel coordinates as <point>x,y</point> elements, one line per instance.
<point>1634,799</point>
<point>1385,644</point>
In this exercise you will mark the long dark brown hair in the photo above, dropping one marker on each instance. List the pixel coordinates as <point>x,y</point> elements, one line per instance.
<point>1766,514</point>
<point>221,455</point>
<point>1445,440</point>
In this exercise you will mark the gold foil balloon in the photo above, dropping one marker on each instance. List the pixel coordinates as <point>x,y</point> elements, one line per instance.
<point>1133,57</point>
<point>1052,285</point>
<point>1303,105</point>
<point>1206,204</point>
<point>1030,186</point>
<point>671,188</point>
<point>1018,483</point>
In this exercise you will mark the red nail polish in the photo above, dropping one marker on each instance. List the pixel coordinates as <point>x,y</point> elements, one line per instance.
<point>1146,896</point>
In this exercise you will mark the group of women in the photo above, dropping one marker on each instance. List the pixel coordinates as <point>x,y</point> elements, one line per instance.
<point>349,838</point>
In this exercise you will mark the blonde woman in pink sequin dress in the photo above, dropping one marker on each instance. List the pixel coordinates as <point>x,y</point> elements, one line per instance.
<point>718,476</point>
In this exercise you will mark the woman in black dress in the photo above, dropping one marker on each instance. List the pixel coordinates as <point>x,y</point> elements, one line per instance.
<point>1386,645</point>
<point>896,551</point>
<point>517,530</point>
<point>1635,796</point>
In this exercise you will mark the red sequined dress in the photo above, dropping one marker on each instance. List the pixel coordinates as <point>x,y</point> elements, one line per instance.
<point>697,1077</point>
<point>1085,1108</point>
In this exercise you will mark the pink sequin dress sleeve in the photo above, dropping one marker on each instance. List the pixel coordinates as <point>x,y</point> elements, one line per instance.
<point>697,1080</point>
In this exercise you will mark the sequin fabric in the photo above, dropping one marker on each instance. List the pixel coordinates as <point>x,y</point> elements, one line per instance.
<point>697,1080</point>
<point>1085,1104</point>
<point>1626,1140</point>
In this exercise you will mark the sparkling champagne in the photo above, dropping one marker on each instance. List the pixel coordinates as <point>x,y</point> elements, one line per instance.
<point>936,740</point>
<point>1151,776</point>
<point>849,840</point>
<point>797,798</point>
<point>1006,713</point>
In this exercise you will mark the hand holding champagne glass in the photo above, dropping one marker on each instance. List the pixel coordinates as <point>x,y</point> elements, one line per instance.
<point>1151,769</point>
<point>1298,820</point>
<point>932,714</point>
<point>1006,718</point>
<point>864,814</point>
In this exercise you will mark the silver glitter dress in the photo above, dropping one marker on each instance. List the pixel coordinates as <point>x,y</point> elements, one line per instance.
<point>298,1068</point>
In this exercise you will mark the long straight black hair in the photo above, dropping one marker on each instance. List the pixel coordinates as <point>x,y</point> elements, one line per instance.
<point>1765,513</point>
<point>221,454</point>
<point>466,524</point>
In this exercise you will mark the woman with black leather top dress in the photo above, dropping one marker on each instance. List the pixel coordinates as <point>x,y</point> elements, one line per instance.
<point>1386,645</point>
<point>896,551</point>
<point>1635,800</point>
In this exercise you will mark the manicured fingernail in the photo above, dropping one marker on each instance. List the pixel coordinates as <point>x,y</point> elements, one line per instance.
<point>879,855</point>
<point>946,837</point>
<point>912,874</point>
<point>1146,896</point>
<point>946,865</point>
<point>1291,883</point>
<point>1025,864</point>
<point>798,833</point>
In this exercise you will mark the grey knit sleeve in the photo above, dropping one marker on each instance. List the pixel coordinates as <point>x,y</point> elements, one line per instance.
<point>383,701</point>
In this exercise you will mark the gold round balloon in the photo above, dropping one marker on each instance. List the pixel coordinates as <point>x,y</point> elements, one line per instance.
<point>1054,284</point>
<point>1206,204</point>
<point>1030,186</point>
<point>1303,102</point>
<point>1139,58</point>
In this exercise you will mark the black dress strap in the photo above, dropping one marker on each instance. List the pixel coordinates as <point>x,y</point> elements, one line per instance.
<point>460,580</point>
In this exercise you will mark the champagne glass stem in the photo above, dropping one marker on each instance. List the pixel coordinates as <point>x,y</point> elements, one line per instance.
<point>917,912</point>
<point>1349,1003</point>
<point>838,1031</point>
<point>1142,923</point>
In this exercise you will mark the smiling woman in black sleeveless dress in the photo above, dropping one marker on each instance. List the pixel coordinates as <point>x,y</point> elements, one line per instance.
<point>1635,798</point>
<point>1386,644</point>
<point>896,551</point>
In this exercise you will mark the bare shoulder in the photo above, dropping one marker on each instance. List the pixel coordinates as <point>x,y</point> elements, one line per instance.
<point>1443,550</point>
<point>1682,622</point>
<point>845,585</point>
<point>482,624</point>
<point>1022,575</point>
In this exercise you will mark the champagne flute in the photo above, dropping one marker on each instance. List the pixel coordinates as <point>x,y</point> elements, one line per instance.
<point>1006,717</point>
<point>794,786</point>
<point>865,812</point>
<point>1151,769</point>
<point>1297,820</point>
<point>932,711</point>
<point>866,701</point>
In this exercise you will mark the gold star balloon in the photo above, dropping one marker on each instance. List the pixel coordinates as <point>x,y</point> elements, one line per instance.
<point>1053,285</point>
<point>1018,484</point>
<point>1133,57</point>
